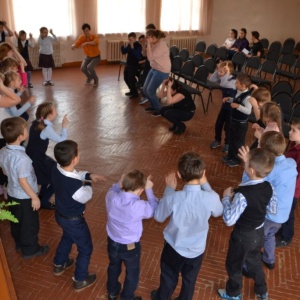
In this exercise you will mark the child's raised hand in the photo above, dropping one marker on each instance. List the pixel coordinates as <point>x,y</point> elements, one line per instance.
<point>51,31</point>
<point>228,192</point>
<point>255,126</point>
<point>243,153</point>
<point>97,177</point>
<point>35,203</point>
<point>65,121</point>
<point>171,180</point>
<point>31,100</point>
<point>149,183</point>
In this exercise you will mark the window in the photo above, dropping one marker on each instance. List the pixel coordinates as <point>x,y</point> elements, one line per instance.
<point>180,15</point>
<point>31,15</point>
<point>119,16</point>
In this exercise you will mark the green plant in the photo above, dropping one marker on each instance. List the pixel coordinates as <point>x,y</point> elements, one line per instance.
<point>6,214</point>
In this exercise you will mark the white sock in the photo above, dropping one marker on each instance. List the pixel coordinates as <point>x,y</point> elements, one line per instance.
<point>44,71</point>
<point>49,74</point>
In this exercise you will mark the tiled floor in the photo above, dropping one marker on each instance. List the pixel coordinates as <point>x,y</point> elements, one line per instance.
<point>115,135</point>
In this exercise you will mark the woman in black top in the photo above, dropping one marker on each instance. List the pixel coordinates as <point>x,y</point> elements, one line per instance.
<point>181,106</point>
<point>256,48</point>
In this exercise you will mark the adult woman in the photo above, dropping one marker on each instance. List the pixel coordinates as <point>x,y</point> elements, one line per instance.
<point>159,57</point>
<point>89,43</point>
<point>256,48</point>
<point>231,39</point>
<point>181,105</point>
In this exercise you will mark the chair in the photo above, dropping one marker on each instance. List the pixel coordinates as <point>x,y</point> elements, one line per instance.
<point>288,46</point>
<point>174,51</point>
<point>252,66</point>
<point>122,63</point>
<point>297,50</point>
<point>187,71</point>
<point>184,54</point>
<point>222,54</point>
<point>210,64</point>
<point>296,97</point>
<point>238,59</point>
<point>285,102</point>
<point>176,65</point>
<point>268,67</point>
<point>295,113</point>
<point>200,47</point>
<point>197,60</point>
<point>273,55</point>
<point>211,51</point>
<point>276,45</point>
<point>282,86</point>
<point>265,43</point>
<point>286,63</point>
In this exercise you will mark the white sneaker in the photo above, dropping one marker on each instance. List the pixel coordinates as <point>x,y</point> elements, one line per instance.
<point>143,100</point>
<point>45,83</point>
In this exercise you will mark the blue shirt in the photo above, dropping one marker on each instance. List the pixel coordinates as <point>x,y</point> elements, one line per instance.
<point>17,164</point>
<point>283,179</point>
<point>49,133</point>
<point>190,210</point>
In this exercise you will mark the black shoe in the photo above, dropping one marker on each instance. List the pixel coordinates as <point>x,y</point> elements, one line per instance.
<point>153,294</point>
<point>128,94</point>
<point>132,96</point>
<point>180,129</point>
<point>173,128</point>
<point>225,159</point>
<point>156,114</point>
<point>59,269</point>
<point>81,285</point>
<point>30,85</point>
<point>149,109</point>
<point>282,243</point>
<point>43,250</point>
<point>115,295</point>
<point>137,298</point>
<point>269,266</point>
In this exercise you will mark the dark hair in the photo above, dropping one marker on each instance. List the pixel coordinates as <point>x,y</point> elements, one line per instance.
<point>132,34</point>
<point>85,25</point>
<point>273,141</point>
<point>4,49</point>
<point>296,122</point>
<point>133,180</point>
<point>65,152</point>
<point>150,26</point>
<point>244,79</point>
<point>261,161</point>
<point>21,32</point>
<point>43,28</point>
<point>155,33</point>
<point>235,33</point>
<point>255,34</point>
<point>142,36</point>
<point>244,30</point>
<point>9,77</point>
<point>12,128</point>
<point>42,113</point>
<point>8,62</point>
<point>190,166</point>
<point>175,85</point>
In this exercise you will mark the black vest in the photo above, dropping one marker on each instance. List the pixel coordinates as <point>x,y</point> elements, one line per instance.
<point>23,50</point>
<point>236,114</point>
<point>2,36</point>
<point>258,197</point>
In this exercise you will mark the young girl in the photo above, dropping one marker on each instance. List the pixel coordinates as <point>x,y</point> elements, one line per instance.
<point>13,81</point>
<point>41,131</point>
<point>46,61</point>
<point>22,44</point>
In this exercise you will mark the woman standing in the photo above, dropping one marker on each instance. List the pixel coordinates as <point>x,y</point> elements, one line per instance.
<point>159,56</point>
<point>90,45</point>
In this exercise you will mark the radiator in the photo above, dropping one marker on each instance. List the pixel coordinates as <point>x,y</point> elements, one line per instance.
<point>34,55</point>
<point>114,50</point>
<point>184,42</point>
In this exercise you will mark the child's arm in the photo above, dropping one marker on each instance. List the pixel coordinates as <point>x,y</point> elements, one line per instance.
<point>49,133</point>
<point>10,33</point>
<point>171,99</point>
<point>162,90</point>
<point>17,112</point>
<point>35,201</point>
<point>124,49</point>
<point>137,51</point>
<point>243,109</point>
<point>255,107</point>
<point>54,38</point>
<point>272,205</point>
<point>9,98</point>
<point>215,77</point>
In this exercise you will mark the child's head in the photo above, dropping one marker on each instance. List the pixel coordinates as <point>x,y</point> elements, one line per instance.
<point>270,112</point>
<point>233,33</point>
<point>13,128</point>
<point>86,28</point>
<point>294,134</point>
<point>225,67</point>
<point>22,35</point>
<point>274,142</point>
<point>255,35</point>
<point>150,26</point>
<point>12,80</point>
<point>141,39</point>
<point>243,33</point>
<point>9,64</point>
<point>5,50</point>
<point>65,152</point>
<point>133,181</point>
<point>243,82</point>
<point>45,111</point>
<point>190,166</point>
<point>154,35</point>
<point>261,95</point>
<point>260,163</point>
<point>131,37</point>
<point>44,32</point>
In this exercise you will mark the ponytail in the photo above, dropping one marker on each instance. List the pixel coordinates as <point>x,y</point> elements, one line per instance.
<point>42,113</point>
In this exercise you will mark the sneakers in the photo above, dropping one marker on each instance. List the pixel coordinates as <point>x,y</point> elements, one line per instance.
<point>51,83</point>
<point>143,100</point>
<point>225,159</point>
<point>115,295</point>
<point>156,114</point>
<point>59,269</point>
<point>225,148</point>
<point>45,83</point>
<point>30,85</point>
<point>215,144</point>
<point>269,266</point>
<point>81,285</point>
<point>95,83</point>
<point>223,294</point>
<point>88,81</point>
<point>180,129</point>
<point>232,163</point>
<point>149,109</point>
<point>282,243</point>
<point>262,296</point>
<point>43,250</point>
<point>173,128</point>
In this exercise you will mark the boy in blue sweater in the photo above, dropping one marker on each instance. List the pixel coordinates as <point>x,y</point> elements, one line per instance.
<point>72,190</point>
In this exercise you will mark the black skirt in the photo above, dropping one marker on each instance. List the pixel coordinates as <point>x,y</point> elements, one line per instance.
<point>46,61</point>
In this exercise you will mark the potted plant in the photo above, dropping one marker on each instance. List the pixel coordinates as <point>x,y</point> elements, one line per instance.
<point>6,214</point>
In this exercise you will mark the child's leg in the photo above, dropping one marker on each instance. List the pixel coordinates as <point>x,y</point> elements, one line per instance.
<point>287,230</point>
<point>45,73</point>
<point>270,229</point>
<point>129,77</point>
<point>84,68</point>
<point>49,74</point>
<point>219,125</point>
<point>28,77</point>
<point>91,68</point>
<point>227,126</point>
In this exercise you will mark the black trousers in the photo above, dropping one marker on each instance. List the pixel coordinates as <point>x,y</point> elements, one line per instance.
<point>25,233</point>
<point>244,249</point>
<point>130,79</point>
<point>176,116</point>
<point>237,137</point>
<point>223,121</point>
<point>146,70</point>
<point>172,264</point>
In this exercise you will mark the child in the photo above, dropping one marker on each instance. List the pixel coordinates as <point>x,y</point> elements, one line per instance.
<point>125,212</point>
<point>245,207</point>
<point>46,61</point>
<point>185,235</point>
<point>22,188</point>
<point>134,54</point>
<point>41,131</point>
<point>4,33</point>
<point>287,228</point>
<point>241,109</point>
<point>73,189</point>
<point>13,82</point>
<point>22,44</point>
<point>227,83</point>
<point>283,179</point>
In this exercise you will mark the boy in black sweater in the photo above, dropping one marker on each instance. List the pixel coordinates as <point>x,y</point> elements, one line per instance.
<point>246,207</point>
<point>72,190</point>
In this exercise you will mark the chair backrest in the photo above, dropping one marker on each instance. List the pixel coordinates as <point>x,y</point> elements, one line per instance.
<point>188,69</point>
<point>222,53</point>
<point>252,65</point>
<point>210,64</point>
<point>201,75</point>
<point>288,46</point>
<point>184,54</point>
<point>268,67</point>
<point>176,64</point>
<point>297,49</point>
<point>239,59</point>
<point>296,67</point>
<point>174,51</point>
<point>198,60</point>
<point>200,47</point>
<point>212,50</point>
<point>296,97</point>
<point>276,45</point>
<point>285,102</point>
<point>265,43</point>
<point>295,112</point>
<point>282,86</point>
<point>287,61</point>
<point>273,55</point>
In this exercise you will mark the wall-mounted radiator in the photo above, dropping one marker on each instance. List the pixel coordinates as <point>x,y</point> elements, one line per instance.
<point>114,50</point>
<point>184,42</point>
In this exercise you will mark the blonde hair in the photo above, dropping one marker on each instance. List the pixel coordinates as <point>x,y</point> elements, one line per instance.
<point>262,95</point>
<point>42,113</point>
<point>9,77</point>
<point>272,112</point>
<point>8,62</point>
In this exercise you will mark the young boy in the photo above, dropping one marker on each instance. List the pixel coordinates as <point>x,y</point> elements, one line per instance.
<point>72,190</point>
<point>245,207</point>
<point>241,109</point>
<point>283,179</point>
<point>22,188</point>
<point>134,55</point>
<point>3,33</point>
<point>287,228</point>
<point>227,84</point>
<point>185,235</point>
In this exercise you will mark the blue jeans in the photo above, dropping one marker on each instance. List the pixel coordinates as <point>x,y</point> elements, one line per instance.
<point>153,81</point>
<point>77,232</point>
<point>270,229</point>
<point>117,254</point>
<point>88,67</point>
